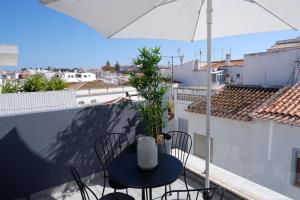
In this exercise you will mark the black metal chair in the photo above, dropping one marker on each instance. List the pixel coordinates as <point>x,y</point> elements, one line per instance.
<point>180,148</point>
<point>87,192</point>
<point>214,193</point>
<point>108,147</point>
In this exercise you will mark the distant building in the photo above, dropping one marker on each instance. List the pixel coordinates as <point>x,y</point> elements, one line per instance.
<point>278,66</point>
<point>128,68</point>
<point>115,79</point>
<point>193,73</point>
<point>76,77</point>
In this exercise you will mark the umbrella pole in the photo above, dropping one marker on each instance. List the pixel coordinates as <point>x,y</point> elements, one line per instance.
<point>208,99</point>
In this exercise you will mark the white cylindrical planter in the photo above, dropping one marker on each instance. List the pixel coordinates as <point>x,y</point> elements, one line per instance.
<point>147,153</point>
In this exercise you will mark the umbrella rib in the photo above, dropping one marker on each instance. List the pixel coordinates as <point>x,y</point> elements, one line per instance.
<point>45,2</point>
<point>165,2</point>
<point>272,13</point>
<point>198,17</point>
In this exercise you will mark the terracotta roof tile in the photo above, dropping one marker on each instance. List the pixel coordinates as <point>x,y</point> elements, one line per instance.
<point>235,102</point>
<point>284,109</point>
<point>222,63</point>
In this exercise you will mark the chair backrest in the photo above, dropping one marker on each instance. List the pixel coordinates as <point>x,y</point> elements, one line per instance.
<point>181,145</point>
<point>215,193</point>
<point>110,146</point>
<point>85,191</point>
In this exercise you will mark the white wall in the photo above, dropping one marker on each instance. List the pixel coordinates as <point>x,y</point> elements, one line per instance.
<point>260,151</point>
<point>233,71</point>
<point>185,74</point>
<point>27,102</point>
<point>84,77</point>
<point>270,68</point>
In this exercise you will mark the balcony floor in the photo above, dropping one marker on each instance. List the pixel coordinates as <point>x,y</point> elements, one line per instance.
<point>69,191</point>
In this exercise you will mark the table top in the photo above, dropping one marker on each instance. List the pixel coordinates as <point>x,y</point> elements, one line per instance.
<point>124,170</point>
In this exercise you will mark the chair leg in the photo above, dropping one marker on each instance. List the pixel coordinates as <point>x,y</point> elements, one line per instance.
<point>186,185</point>
<point>165,192</point>
<point>103,187</point>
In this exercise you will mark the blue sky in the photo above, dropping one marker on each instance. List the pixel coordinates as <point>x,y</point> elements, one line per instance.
<point>48,38</point>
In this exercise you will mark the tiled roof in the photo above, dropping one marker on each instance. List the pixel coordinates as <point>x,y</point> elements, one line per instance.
<point>285,46</point>
<point>222,63</point>
<point>235,102</point>
<point>283,109</point>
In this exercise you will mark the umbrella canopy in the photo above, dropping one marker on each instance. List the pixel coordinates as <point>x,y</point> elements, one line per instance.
<point>187,20</point>
<point>180,19</point>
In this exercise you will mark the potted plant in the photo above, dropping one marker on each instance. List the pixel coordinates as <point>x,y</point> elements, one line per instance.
<point>152,87</point>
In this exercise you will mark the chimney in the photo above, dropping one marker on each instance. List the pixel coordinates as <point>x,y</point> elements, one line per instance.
<point>196,65</point>
<point>228,58</point>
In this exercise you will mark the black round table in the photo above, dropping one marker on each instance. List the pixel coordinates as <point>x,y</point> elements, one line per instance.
<point>124,170</point>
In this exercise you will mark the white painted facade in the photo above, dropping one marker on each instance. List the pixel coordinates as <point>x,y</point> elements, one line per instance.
<point>78,77</point>
<point>191,74</point>
<point>186,74</point>
<point>114,79</point>
<point>235,75</point>
<point>261,151</point>
<point>271,68</point>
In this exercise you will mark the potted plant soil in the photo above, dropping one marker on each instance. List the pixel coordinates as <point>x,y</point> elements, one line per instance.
<point>152,87</point>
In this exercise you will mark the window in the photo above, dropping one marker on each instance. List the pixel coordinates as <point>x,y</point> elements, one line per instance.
<point>81,102</point>
<point>218,78</point>
<point>296,167</point>
<point>238,76</point>
<point>84,76</point>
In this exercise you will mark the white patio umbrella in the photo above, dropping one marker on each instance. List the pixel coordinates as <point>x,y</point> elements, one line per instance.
<point>187,20</point>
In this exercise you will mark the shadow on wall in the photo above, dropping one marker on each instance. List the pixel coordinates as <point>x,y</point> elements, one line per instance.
<point>17,168</point>
<point>26,171</point>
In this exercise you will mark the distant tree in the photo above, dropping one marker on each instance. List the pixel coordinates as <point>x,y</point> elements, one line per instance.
<point>10,87</point>
<point>55,84</point>
<point>23,69</point>
<point>112,69</point>
<point>35,83</point>
<point>117,66</point>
